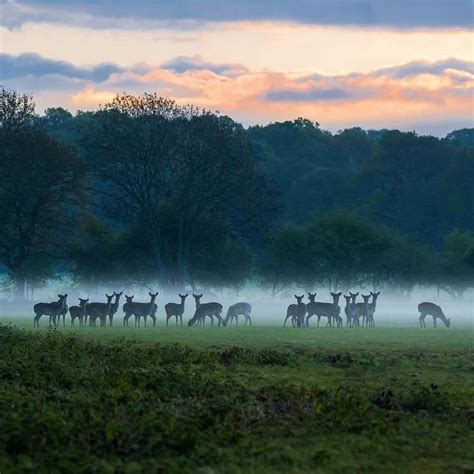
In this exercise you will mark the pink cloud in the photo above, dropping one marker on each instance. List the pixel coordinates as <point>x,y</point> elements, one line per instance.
<point>379,98</point>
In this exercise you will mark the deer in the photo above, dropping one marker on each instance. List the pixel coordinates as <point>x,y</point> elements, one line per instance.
<point>127,309</point>
<point>354,309</point>
<point>206,309</point>
<point>114,307</point>
<point>53,310</point>
<point>363,308</point>
<point>329,310</point>
<point>430,309</point>
<point>348,310</point>
<point>371,310</point>
<point>237,309</point>
<point>176,310</point>
<point>296,312</point>
<point>99,310</point>
<point>79,312</point>
<point>63,313</point>
<point>141,310</point>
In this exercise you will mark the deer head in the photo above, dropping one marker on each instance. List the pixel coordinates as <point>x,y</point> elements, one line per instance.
<point>118,295</point>
<point>109,298</point>
<point>183,297</point>
<point>348,299</point>
<point>366,298</point>
<point>83,302</point>
<point>374,297</point>
<point>129,298</point>
<point>299,298</point>
<point>311,297</point>
<point>336,296</point>
<point>448,322</point>
<point>153,296</point>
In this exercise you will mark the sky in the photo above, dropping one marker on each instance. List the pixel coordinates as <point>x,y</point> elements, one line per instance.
<point>406,64</point>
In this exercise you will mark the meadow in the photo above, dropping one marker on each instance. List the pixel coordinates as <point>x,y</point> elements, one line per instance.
<point>260,399</point>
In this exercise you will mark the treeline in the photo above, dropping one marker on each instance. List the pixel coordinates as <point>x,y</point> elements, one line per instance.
<point>144,190</point>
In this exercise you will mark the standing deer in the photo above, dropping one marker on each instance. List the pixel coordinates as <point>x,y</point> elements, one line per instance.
<point>371,310</point>
<point>114,307</point>
<point>63,313</point>
<point>363,308</point>
<point>99,310</point>
<point>296,312</point>
<point>431,309</point>
<point>79,312</point>
<point>204,310</point>
<point>176,310</point>
<point>348,310</point>
<point>140,310</point>
<point>127,309</point>
<point>239,309</point>
<point>53,310</point>
<point>329,310</point>
<point>355,309</point>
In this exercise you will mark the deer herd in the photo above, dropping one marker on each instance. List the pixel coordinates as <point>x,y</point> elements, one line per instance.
<point>89,313</point>
<point>357,313</point>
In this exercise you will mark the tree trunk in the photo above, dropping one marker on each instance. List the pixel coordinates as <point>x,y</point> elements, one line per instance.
<point>162,273</point>
<point>20,287</point>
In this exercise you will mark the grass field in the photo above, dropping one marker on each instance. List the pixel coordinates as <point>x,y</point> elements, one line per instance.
<point>261,399</point>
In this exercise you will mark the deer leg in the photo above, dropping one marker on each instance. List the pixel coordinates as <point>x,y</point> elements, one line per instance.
<point>181,319</point>
<point>434,321</point>
<point>319,319</point>
<point>250,320</point>
<point>286,319</point>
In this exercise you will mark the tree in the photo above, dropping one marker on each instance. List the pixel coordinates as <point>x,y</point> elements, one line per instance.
<point>455,271</point>
<point>40,189</point>
<point>176,168</point>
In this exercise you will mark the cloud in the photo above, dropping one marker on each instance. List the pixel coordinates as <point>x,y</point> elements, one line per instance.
<point>367,13</point>
<point>30,64</point>
<point>423,67</point>
<point>394,96</point>
<point>183,64</point>
<point>313,94</point>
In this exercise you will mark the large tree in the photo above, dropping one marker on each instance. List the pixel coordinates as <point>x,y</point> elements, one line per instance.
<point>40,188</point>
<point>181,170</point>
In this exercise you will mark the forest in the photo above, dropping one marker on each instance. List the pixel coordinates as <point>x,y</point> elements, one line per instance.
<point>146,190</point>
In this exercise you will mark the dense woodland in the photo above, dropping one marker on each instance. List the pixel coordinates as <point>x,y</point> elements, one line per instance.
<point>145,190</point>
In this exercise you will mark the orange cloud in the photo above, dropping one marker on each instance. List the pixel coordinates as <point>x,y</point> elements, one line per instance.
<point>381,98</point>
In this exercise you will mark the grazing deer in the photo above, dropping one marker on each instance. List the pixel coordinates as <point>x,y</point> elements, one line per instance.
<point>176,310</point>
<point>204,310</point>
<point>79,312</point>
<point>53,310</point>
<point>141,310</point>
<point>329,310</point>
<point>239,309</point>
<point>431,309</point>
<point>99,310</point>
<point>296,312</point>
<point>371,310</point>
<point>114,307</point>
<point>363,308</point>
<point>354,309</point>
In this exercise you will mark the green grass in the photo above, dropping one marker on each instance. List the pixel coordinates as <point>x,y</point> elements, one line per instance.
<point>261,399</point>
